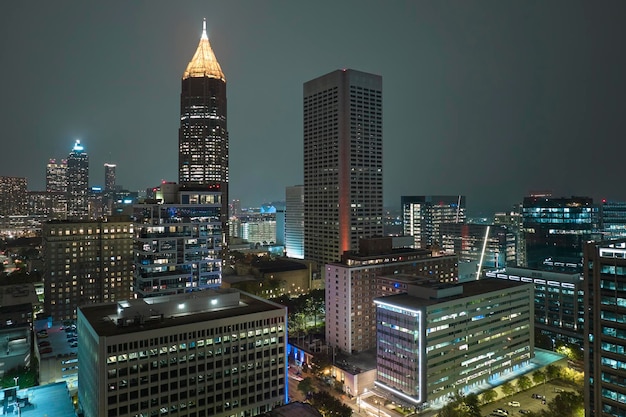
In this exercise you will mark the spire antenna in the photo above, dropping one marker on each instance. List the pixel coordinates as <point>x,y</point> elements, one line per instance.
<point>204,35</point>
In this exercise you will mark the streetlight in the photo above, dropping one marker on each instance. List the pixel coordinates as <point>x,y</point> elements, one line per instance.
<point>16,379</point>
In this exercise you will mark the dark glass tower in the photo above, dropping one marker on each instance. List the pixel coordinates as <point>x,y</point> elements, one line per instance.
<point>77,183</point>
<point>203,135</point>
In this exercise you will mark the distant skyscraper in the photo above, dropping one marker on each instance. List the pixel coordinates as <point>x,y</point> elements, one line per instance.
<point>203,133</point>
<point>13,196</point>
<point>343,162</point>
<point>555,230</point>
<point>109,177</point>
<point>77,183</point>
<point>422,215</point>
<point>56,176</point>
<point>56,188</point>
<point>294,222</point>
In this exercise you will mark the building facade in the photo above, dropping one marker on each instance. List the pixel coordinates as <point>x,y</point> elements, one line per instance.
<point>352,285</point>
<point>555,230</point>
<point>109,177</point>
<point>605,341</point>
<point>558,303</point>
<point>489,245</point>
<point>343,163</point>
<point>86,262</point>
<point>440,340</point>
<point>78,183</point>
<point>210,353</point>
<point>294,222</point>
<point>13,196</point>
<point>613,219</point>
<point>423,215</point>
<point>177,242</point>
<point>203,133</point>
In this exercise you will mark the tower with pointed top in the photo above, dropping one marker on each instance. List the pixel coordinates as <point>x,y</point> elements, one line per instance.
<point>203,133</point>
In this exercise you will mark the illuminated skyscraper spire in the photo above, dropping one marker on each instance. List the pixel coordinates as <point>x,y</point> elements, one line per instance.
<point>204,63</point>
<point>203,133</point>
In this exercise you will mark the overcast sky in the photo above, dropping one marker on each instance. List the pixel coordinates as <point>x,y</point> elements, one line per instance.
<point>490,99</point>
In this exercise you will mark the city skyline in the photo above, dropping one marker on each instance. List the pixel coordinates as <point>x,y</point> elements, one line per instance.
<point>485,99</point>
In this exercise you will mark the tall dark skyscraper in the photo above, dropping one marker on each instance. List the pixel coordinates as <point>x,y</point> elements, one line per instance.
<point>343,162</point>
<point>77,183</point>
<point>109,177</point>
<point>203,135</point>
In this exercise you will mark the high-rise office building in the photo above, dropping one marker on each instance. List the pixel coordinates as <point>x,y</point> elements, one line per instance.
<point>343,162</point>
<point>13,196</point>
<point>613,219</point>
<point>109,177</point>
<point>77,183</point>
<point>422,215</point>
<point>212,353</point>
<point>555,230</point>
<point>86,262</point>
<point>203,134</point>
<point>294,222</point>
<point>56,176</point>
<point>56,189</point>
<point>604,274</point>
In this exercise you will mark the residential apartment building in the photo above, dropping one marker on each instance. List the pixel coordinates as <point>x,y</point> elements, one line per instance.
<point>86,262</point>
<point>177,242</point>
<point>210,353</point>
<point>352,285</point>
<point>423,215</point>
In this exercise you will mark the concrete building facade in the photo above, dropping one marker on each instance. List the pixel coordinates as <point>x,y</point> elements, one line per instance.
<point>210,353</point>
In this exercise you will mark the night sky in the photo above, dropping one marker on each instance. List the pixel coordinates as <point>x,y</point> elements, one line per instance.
<point>490,99</point>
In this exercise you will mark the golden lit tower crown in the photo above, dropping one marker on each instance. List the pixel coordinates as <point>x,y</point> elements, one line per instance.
<point>204,63</point>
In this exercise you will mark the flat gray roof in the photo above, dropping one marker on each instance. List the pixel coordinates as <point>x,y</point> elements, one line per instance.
<point>99,315</point>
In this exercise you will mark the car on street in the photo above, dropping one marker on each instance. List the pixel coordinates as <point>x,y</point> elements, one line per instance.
<point>44,343</point>
<point>524,411</point>
<point>501,411</point>
<point>46,350</point>
<point>538,396</point>
<point>514,403</point>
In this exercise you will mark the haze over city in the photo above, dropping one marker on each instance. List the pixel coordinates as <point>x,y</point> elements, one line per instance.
<point>487,99</point>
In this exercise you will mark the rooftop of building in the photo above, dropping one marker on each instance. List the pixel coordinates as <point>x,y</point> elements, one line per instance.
<point>268,266</point>
<point>357,363</point>
<point>430,293</point>
<point>51,400</point>
<point>144,314</point>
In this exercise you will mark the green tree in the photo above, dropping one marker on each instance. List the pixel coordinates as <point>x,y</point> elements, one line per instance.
<point>553,372</point>
<point>539,377</point>
<point>566,404</point>
<point>489,396</point>
<point>306,385</point>
<point>329,406</point>
<point>523,383</point>
<point>461,406</point>
<point>507,388</point>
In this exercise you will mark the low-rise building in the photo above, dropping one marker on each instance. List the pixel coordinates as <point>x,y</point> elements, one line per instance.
<point>438,340</point>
